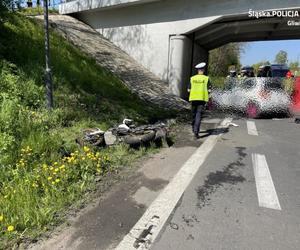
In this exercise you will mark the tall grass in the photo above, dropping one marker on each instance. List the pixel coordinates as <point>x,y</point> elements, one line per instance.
<point>42,169</point>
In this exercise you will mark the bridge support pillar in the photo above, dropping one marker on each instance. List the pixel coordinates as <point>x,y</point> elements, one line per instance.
<point>180,56</point>
<point>184,54</point>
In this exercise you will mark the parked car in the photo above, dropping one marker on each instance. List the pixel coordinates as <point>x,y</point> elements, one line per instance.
<point>273,70</point>
<point>247,71</point>
<point>253,96</point>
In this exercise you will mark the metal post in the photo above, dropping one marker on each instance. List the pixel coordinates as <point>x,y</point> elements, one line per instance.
<point>48,77</point>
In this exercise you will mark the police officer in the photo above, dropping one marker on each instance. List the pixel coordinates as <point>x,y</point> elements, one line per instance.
<point>199,88</point>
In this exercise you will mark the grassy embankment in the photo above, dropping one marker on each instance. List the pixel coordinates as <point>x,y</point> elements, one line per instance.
<point>42,170</point>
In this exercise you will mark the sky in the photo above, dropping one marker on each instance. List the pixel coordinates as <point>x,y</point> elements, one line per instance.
<point>267,50</point>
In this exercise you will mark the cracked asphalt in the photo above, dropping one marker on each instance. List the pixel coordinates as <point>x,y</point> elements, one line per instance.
<point>220,208</point>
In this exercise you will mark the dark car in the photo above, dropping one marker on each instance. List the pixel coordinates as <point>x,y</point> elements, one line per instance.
<point>273,70</point>
<point>247,71</point>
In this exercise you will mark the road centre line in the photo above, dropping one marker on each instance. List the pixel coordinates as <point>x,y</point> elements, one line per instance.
<point>145,231</point>
<point>252,128</point>
<point>266,192</point>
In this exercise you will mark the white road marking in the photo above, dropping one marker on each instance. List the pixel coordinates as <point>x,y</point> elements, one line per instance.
<point>251,128</point>
<point>266,192</point>
<point>145,231</point>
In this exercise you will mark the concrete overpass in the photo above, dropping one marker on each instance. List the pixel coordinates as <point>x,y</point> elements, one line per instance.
<point>168,37</point>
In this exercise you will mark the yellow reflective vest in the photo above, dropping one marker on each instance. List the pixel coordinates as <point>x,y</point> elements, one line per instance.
<point>199,91</point>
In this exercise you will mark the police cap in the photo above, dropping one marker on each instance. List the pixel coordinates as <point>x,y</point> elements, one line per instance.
<point>200,65</point>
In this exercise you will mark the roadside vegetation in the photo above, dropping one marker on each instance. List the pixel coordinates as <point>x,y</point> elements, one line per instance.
<point>42,169</point>
<point>228,57</point>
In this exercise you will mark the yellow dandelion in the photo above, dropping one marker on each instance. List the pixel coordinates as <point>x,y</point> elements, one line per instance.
<point>56,163</point>
<point>70,159</point>
<point>5,196</point>
<point>56,170</point>
<point>49,178</point>
<point>57,180</point>
<point>62,166</point>
<point>53,182</point>
<point>1,218</point>
<point>10,228</point>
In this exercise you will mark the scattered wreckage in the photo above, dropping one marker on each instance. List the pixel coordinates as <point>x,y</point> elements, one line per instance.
<point>128,133</point>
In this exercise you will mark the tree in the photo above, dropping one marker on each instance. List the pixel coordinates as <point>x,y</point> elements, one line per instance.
<point>225,57</point>
<point>257,65</point>
<point>294,65</point>
<point>5,4</point>
<point>281,57</point>
<point>9,4</point>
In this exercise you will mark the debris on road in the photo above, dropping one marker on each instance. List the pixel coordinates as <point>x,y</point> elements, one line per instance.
<point>174,226</point>
<point>126,132</point>
<point>228,124</point>
<point>109,138</point>
<point>91,136</point>
<point>233,124</point>
<point>297,120</point>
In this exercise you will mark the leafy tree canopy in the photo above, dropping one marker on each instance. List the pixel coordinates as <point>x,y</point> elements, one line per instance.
<point>224,58</point>
<point>281,57</point>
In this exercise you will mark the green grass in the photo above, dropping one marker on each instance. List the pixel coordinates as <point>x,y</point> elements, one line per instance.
<point>36,11</point>
<point>42,169</point>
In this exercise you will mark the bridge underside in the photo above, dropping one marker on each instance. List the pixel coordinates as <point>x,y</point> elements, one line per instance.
<point>168,37</point>
<point>244,29</point>
<point>226,30</point>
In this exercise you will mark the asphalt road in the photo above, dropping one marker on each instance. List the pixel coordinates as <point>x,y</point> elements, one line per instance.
<point>246,194</point>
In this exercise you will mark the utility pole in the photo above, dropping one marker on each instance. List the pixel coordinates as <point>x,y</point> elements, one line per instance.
<point>48,77</point>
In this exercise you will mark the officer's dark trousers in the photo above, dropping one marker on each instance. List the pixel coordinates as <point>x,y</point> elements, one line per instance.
<point>198,108</point>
